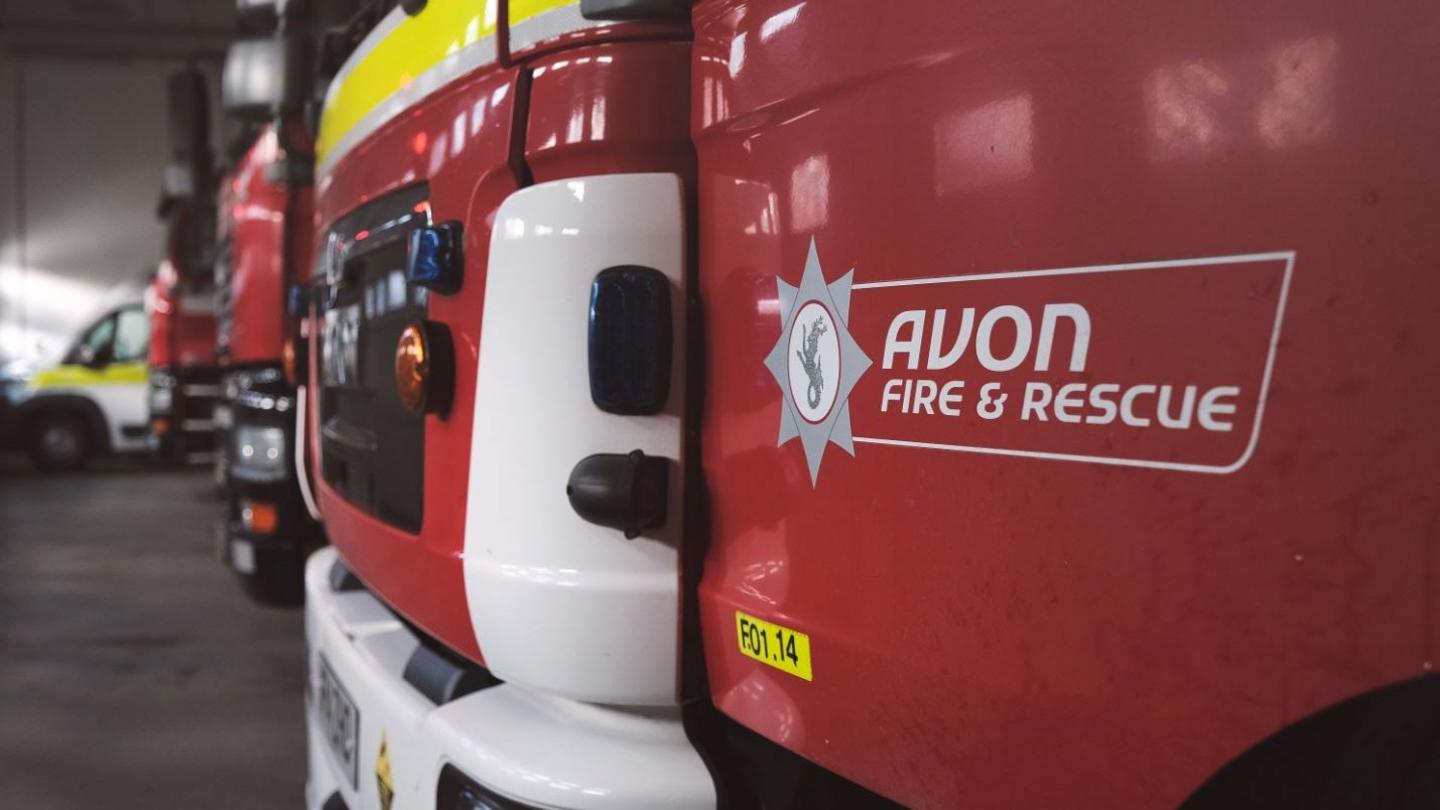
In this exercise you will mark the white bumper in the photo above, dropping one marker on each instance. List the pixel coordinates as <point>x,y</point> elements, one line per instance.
<point>545,751</point>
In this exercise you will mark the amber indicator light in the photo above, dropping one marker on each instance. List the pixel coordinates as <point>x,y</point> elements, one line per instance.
<point>425,368</point>
<point>259,517</point>
<point>412,368</point>
<point>292,360</point>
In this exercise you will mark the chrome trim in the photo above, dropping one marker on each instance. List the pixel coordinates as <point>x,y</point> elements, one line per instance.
<point>548,25</point>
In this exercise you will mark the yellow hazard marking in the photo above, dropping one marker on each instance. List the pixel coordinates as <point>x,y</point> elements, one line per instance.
<point>769,643</point>
<point>384,780</point>
<point>417,44</point>
<point>78,376</point>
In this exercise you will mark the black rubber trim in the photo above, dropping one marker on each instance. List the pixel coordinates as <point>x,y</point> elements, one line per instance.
<point>442,679</point>
<point>628,10</point>
<point>342,579</point>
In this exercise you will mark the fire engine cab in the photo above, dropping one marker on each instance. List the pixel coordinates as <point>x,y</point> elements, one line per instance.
<point>266,214</point>
<point>825,404</point>
<point>184,378</point>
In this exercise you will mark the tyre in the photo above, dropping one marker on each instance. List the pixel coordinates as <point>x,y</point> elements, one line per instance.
<point>58,441</point>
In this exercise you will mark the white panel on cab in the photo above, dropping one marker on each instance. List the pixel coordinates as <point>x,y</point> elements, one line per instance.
<point>559,604</point>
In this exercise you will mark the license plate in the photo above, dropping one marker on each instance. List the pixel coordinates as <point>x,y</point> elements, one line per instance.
<point>242,556</point>
<point>340,346</point>
<point>339,721</point>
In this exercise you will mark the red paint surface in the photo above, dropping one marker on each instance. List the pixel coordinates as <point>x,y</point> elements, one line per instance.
<point>1022,632</point>
<point>178,338</point>
<point>609,108</point>
<point>253,214</point>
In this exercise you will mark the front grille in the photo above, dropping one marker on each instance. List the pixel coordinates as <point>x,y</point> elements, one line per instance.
<point>372,446</point>
<point>224,297</point>
<point>193,409</point>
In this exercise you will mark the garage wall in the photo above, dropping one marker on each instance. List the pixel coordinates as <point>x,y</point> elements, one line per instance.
<point>83,149</point>
<point>82,145</point>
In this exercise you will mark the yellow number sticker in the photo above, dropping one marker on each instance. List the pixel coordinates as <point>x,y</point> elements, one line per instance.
<point>782,648</point>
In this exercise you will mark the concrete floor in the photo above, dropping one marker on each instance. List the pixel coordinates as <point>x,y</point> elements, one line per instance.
<point>133,671</point>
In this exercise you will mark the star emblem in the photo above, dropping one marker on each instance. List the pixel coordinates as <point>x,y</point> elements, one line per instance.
<point>816,362</point>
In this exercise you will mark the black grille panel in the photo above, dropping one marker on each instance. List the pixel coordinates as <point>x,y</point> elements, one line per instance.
<point>224,297</point>
<point>373,448</point>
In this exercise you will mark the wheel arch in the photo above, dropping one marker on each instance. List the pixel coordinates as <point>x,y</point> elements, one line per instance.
<point>1377,749</point>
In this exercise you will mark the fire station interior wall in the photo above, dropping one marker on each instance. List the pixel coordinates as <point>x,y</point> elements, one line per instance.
<point>81,157</point>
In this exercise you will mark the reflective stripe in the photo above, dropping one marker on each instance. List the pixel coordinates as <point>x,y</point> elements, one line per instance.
<point>400,62</point>
<point>118,390</point>
<point>75,376</point>
<point>534,21</point>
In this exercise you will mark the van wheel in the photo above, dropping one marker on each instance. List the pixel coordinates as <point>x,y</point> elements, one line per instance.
<point>59,442</point>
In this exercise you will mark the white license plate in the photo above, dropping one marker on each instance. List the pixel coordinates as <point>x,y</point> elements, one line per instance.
<point>340,346</point>
<point>339,721</point>
<point>242,556</point>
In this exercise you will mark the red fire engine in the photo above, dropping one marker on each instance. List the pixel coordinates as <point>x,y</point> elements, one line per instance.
<point>184,379</point>
<point>804,404</point>
<point>264,242</point>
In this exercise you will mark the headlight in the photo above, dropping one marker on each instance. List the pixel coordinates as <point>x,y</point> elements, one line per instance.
<point>259,454</point>
<point>161,399</point>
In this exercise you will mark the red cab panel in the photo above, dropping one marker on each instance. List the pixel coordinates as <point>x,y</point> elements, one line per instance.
<point>1068,381</point>
<point>181,307</point>
<point>458,143</point>
<point>255,210</point>
<point>609,107</point>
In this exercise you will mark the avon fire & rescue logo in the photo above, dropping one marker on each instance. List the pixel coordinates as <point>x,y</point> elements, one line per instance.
<point>1161,365</point>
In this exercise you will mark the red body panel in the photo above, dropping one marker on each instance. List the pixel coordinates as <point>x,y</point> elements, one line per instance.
<point>419,574</point>
<point>608,108</point>
<point>253,216</point>
<point>179,338</point>
<point>1035,632</point>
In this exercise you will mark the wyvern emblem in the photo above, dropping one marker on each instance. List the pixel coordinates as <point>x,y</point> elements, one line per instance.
<point>816,362</point>
<point>810,363</point>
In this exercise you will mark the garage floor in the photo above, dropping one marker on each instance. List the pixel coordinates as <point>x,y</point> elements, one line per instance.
<point>133,671</point>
